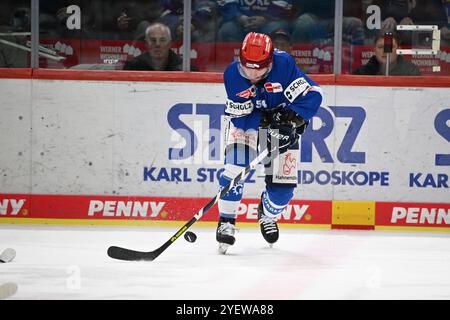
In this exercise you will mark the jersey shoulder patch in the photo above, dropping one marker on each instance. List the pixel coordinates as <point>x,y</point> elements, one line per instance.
<point>296,88</point>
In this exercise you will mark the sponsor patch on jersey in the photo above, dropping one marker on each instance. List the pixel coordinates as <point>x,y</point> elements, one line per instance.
<point>237,135</point>
<point>285,168</point>
<point>248,93</point>
<point>273,87</point>
<point>296,88</point>
<point>238,109</point>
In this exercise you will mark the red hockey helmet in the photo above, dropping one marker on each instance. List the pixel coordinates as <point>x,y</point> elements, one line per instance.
<point>256,51</point>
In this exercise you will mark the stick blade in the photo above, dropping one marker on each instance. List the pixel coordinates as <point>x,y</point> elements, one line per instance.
<point>130,255</point>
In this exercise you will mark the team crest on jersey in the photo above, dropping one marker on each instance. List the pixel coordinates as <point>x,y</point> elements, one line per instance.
<point>273,87</point>
<point>248,93</point>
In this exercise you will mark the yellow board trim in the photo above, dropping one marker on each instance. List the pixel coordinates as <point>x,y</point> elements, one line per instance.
<point>409,228</point>
<point>148,223</point>
<point>202,224</point>
<point>359,213</point>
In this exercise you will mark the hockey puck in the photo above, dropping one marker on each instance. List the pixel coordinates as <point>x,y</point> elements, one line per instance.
<point>190,236</point>
<point>7,255</point>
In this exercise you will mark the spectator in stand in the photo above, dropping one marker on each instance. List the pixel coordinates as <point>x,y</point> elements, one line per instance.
<point>281,40</point>
<point>134,16</point>
<point>395,12</point>
<point>445,31</point>
<point>8,6</point>
<point>14,18</point>
<point>239,18</point>
<point>203,23</point>
<point>172,15</point>
<point>53,18</point>
<point>398,66</point>
<point>99,20</point>
<point>315,24</point>
<point>159,57</point>
<point>431,12</point>
<point>412,12</point>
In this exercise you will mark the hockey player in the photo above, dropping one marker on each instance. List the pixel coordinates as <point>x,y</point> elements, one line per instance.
<point>271,100</point>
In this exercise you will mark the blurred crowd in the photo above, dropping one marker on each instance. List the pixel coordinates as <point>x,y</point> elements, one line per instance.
<point>300,21</point>
<point>224,20</point>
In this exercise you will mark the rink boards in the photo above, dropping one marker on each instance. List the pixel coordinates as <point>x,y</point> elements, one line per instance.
<point>127,148</point>
<point>160,211</point>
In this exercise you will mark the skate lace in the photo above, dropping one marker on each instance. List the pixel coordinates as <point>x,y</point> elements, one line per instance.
<point>226,228</point>
<point>269,224</point>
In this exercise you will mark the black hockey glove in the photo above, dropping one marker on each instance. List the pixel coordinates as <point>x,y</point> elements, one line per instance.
<point>282,136</point>
<point>284,129</point>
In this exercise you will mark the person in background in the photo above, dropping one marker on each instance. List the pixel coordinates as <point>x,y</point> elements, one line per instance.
<point>412,12</point>
<point>445,30</point>
<point>172,15</point>
<point>241,17</point>
<point>53,17</point>
<point>282,41</point>
<point>134,16</point>
<point>203,22</point>
<point>14,18</point>
<point>159,56</point>
<point>315,24</point>
<point>398,66</point>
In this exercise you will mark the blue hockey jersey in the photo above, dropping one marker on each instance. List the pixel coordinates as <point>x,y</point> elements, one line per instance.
<point>286,86</point>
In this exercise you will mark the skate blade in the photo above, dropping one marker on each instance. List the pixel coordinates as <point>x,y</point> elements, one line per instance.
<point>7,255</point>
<point>7,290</point>
<point>223,247</point>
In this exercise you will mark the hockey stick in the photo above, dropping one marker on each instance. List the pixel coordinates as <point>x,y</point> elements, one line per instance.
<point>132,255</point>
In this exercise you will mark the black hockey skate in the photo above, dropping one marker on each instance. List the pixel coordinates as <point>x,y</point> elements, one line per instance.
<point>225,233</point>
<point>268,225</point>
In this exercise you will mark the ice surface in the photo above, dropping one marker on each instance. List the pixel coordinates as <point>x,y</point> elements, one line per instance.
<point>55,262</point>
